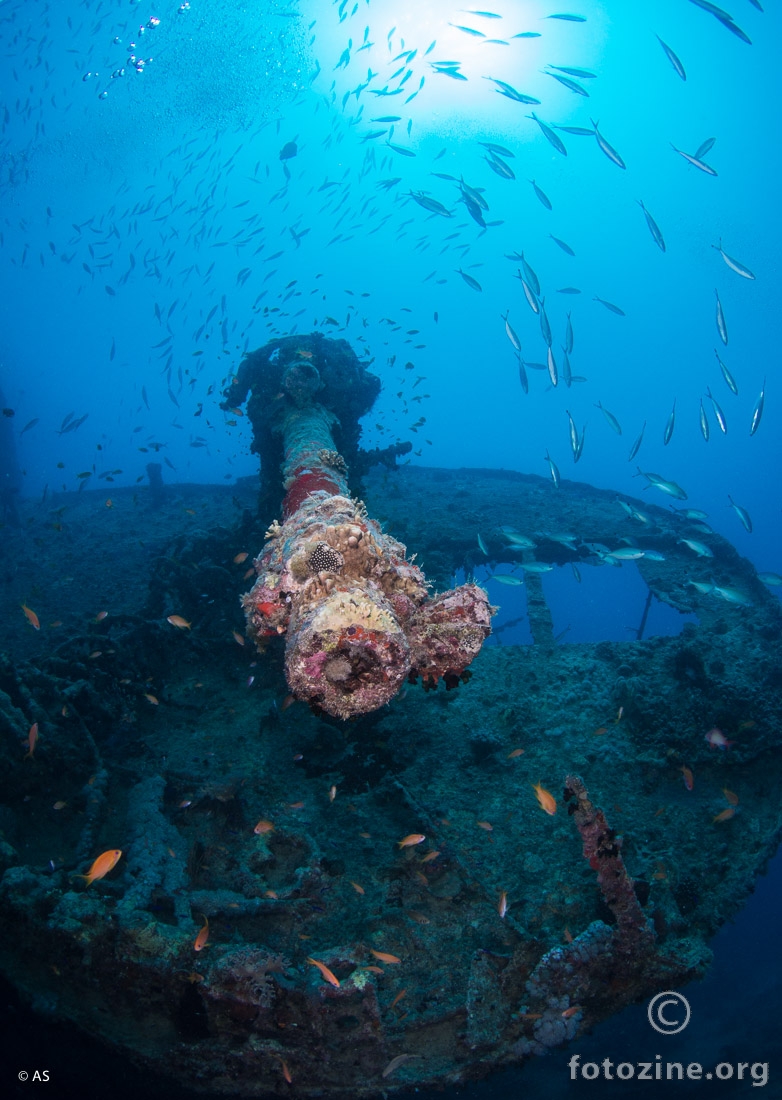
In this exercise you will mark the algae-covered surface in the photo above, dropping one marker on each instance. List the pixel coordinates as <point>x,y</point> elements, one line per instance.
<point>278,835</point>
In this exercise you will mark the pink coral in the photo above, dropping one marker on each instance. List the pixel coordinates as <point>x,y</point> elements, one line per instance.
<point>313,666</point>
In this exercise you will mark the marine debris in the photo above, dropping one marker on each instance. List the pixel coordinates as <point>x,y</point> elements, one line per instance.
<point>356,613</point>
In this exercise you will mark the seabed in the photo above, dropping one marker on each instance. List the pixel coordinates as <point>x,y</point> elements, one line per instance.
<point>173,744</point>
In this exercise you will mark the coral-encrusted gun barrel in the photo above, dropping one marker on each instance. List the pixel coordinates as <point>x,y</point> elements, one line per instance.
<point>356,613</point>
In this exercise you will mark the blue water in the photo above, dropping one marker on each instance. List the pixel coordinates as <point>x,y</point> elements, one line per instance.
<point>146,232</point>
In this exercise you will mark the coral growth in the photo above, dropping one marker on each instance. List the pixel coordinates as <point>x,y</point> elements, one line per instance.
<point>357,612</point>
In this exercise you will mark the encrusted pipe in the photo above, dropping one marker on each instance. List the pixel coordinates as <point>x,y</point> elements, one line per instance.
<point>355,610</point>
<point>603,849</point>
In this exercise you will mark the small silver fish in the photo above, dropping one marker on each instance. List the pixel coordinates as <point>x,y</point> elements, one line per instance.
<point>552,366</point>
<point>674,60</point>
<point>568,541</point>
<point>695,162</point>
<point>472,283</point>
<point>530,275</point>
<point>573,434</point>
<point>729,379</point>
<point>703,587</point>
<point>720,415</point>
<point>757,412</point>
<point>515,539</point>
<point>626,553</point>
<point>637,445</point>
<point>523,376</point>
<point>610,305</point>
<point>732,595</point>
<point>609,150</point>
<point>567,374</point>
<point>734,265</point>
<point>654,229</point>
<point>670,425</point>
<point>704,423</point>
<point>569,83</point>
<point>722,328</point>
<point>545,327</point>
<point>610,418</point>
<point>536,566</point>
<point>553,470</point>
<point>580,450</point>
<point>509,332</point>
<point>529,294</point>
<point>699,548</point>
<point>499,167</point>
<point>742,513</point>
<point>563,245</point>
<point>542,196</point>
<point>668,487</point>
<point>550,136</point>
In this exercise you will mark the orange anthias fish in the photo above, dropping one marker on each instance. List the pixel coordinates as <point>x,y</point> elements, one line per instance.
<point>102,865</point>
<point>178,622</point>
<point>330,977</point>
<point>239,558</point>
<point>263,827</point>
<point>545,799</point>
<point>502,905</point>
<point>200,941</point>
<point>726,815</point>
<point>32,740</point>
<point>31,617</point>
<point>411,840</point>
<point>731,796</point>
<point>687,776</point>
<point>384,957</point>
